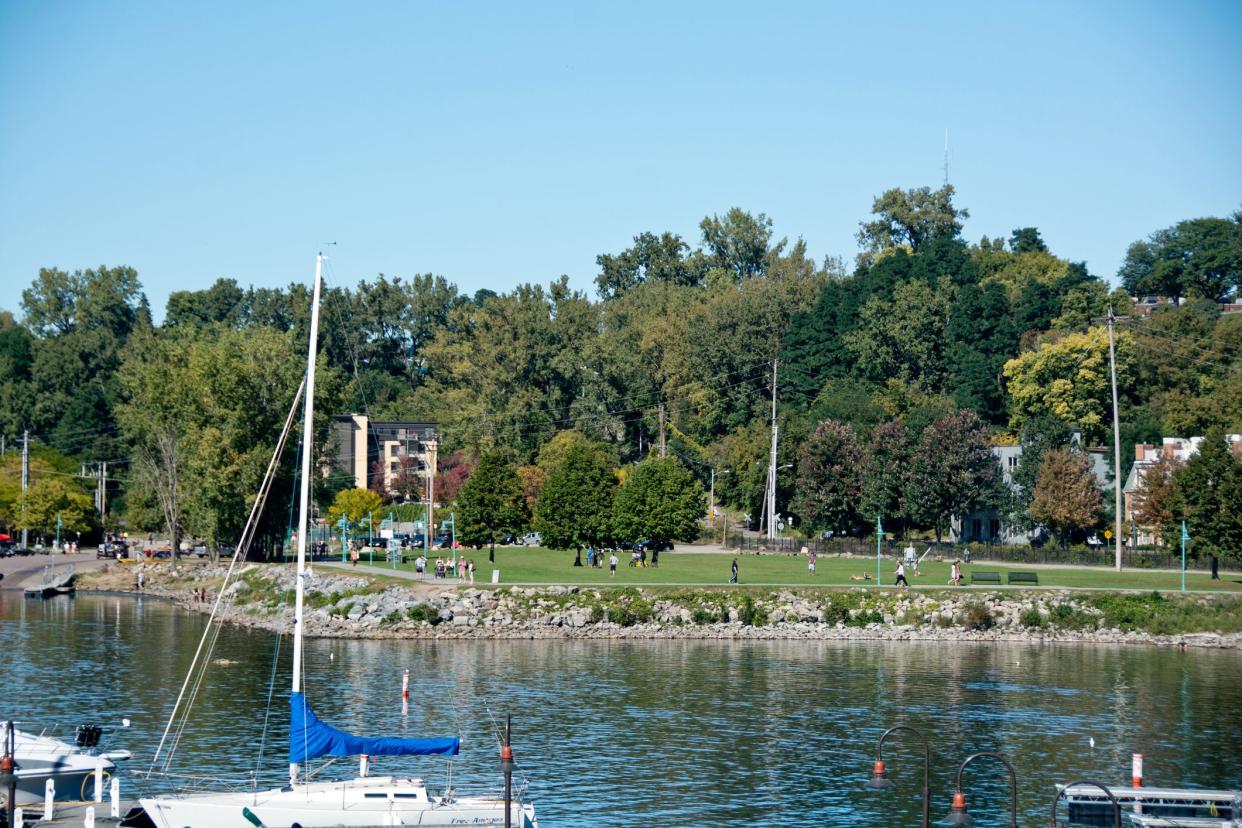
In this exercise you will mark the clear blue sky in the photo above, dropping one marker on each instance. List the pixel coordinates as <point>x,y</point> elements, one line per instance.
<point>508,142</point>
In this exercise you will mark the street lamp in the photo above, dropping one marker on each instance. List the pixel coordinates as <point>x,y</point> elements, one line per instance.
<point>879,776</point>
<point>957,813</point>
<point>1052,820</point>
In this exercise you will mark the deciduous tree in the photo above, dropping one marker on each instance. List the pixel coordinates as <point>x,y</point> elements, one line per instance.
<point>909,218</point>
<point>1209,491</point>
<point>575,503</point>
<point>491,502</point>
<point>1066,496</point>
<point>659,501</point>
<point>952,471</point>
<point>829,478</point>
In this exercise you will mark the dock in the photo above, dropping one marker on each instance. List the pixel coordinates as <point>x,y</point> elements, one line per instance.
<point>56,580</point>
<point>74,814</point>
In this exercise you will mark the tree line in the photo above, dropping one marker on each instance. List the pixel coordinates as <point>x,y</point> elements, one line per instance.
<point>918,358</point>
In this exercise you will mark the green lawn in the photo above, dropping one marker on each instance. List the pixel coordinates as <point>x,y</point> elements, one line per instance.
<point>522,565</point>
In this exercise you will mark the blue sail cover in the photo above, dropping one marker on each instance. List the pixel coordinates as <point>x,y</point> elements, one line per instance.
<point>310,738</point>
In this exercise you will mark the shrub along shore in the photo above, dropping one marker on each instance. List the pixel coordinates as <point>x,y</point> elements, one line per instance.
<point>345,605</point>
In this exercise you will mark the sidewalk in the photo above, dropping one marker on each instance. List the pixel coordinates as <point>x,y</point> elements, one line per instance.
<point>404,574</point>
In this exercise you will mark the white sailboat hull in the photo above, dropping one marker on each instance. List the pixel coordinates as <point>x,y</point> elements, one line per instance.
<point>358,803</point>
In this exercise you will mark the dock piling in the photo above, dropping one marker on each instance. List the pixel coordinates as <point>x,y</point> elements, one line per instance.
<point>99,781</point>
<point>89,822</point>
<point>49,800</point>
<point>116,797</point>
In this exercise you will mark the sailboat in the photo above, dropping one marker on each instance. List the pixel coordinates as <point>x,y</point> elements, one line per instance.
<point>356,803</point>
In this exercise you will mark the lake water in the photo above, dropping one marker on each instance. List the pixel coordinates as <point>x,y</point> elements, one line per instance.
<point>669,733</point>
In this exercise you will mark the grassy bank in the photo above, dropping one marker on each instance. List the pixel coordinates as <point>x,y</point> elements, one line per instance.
<point>521,565</point>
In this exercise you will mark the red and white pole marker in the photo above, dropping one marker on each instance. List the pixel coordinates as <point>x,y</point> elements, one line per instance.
<point>362,765</point>
<point>1136,770</point>
<point>405,684</point>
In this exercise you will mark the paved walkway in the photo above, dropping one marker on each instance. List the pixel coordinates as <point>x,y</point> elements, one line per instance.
<point>380,569</point>
<point>19,569</point>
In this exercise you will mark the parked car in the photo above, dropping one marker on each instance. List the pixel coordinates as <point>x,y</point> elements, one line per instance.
<point>653,546</point>
<point>112,549</point>
<point>530,539</point>
<point>506,539</point>
<point>442,542</point>
<point>6,549</point>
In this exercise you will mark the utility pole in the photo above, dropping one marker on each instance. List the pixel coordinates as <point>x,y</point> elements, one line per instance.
<point>1112,370</point>
<point>711,502</point>
<point>103,493</point>
<point>772,462</point>
<point>663,448</point>
<point>25,483</point>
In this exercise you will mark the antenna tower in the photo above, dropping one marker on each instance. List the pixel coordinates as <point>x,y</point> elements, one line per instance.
<point>946,156</point>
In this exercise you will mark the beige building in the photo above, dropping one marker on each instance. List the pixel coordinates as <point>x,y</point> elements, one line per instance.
<point>395,457</point>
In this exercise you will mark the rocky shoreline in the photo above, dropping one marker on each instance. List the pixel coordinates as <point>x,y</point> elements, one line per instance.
<point>340,605</point>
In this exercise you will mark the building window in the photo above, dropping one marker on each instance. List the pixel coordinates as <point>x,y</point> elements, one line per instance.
<point>1013,462</point>
<point>392,467</point>
<point>394,450</point>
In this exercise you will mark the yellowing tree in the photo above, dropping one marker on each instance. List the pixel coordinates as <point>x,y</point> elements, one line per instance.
<point>1068,379</point>
<point>354,504</point>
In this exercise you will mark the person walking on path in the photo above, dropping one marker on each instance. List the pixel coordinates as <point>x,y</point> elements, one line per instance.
<point>353,557</point>
<point>612,565</point>
<point>733,572</point>
<point>901,576</point>
<point>955,574</point>
<point>810,564</point>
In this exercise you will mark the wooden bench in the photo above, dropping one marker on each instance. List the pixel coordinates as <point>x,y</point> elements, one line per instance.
<point>1023,578</point>
<point>985,578</point>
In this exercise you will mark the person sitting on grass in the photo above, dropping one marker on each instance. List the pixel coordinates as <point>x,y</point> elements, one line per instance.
<point>866,576</point>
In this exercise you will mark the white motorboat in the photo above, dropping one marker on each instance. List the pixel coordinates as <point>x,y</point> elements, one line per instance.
<point>364,801</point>
<point>71,767</point>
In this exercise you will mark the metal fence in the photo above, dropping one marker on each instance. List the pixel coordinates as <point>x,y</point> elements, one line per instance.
<point>994,552</point>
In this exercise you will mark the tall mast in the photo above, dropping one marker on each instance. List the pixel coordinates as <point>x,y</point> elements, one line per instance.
<point>308,408</point>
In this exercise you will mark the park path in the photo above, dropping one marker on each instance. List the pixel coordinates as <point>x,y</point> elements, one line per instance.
<point>20,569</point>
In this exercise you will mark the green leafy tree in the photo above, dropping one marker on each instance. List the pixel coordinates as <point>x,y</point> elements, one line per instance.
<point>224,303</point>
<point>909,219</point>
<point>1027,240</point>
<point>653,258</point>
<point>1209,491</point>
<point>829,478</point>
<point>354,505</point>
<point>491,502</point>
<point>575,503</point>
<point>660,501</point>
<point>952,471</point>
<point>904,336</point>
<point>1200,257</point>
<point>738,244</point>
<point>47,499</point>
<point>1066,497</point>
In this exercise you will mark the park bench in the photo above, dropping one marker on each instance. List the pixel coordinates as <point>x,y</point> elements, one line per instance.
<point>1023,578</point>
<point>985,578</point>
